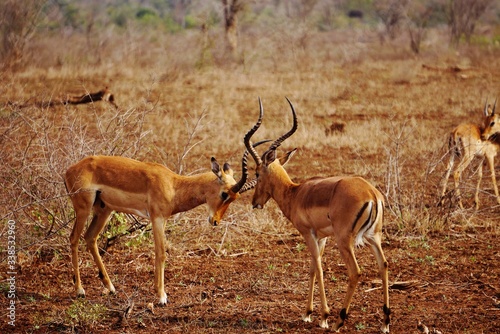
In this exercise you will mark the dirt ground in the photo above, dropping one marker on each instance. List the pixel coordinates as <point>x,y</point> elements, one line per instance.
<point>452,287</point>
<point>247,279</point>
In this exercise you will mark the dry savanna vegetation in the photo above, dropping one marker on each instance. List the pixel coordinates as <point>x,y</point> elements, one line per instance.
<point>367,105</point>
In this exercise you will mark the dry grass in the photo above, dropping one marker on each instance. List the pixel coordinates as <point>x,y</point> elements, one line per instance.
<point>179,107</point>
<point>175,112</point>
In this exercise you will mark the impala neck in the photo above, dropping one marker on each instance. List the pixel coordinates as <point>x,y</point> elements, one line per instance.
<point>282,188</point>
<point>191,191</point>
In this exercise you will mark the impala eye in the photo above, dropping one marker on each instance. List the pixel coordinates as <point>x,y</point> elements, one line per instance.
<point>224,195</point>
<point>492,124</point>
<point>257,175</point>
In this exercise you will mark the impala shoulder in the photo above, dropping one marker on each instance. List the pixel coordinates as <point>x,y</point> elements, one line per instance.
<point>467,130</point>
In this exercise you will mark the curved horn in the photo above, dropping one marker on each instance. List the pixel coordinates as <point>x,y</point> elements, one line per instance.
<point>242,184</point>
<point>278,141</point>
<point>248,186</point>
<point>485,111</point>
<point>250,133</point>
<point>494,107</point>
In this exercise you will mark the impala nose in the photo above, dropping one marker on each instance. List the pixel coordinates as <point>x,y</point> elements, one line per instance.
<point>257,206</point>
<point>213,221</point>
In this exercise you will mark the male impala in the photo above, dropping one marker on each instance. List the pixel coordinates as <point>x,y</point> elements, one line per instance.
<point>109,183</point>
<point>468,141</point>
<point>348,208</point>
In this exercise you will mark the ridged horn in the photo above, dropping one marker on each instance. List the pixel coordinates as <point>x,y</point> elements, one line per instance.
<point>242,184</point>
<point>250,133</point>
<point>485,111</point>
<point>494,107</point>
<point>280,140</point>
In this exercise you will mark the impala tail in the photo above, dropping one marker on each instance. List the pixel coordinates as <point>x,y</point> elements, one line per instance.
<point>369,215</point>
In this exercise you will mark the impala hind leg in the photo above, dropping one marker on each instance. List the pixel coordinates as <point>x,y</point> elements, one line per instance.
<point>160,256</point>
<point>375,245</point>
<point>82,203</point>
<point>347,253</point>
<point>449,168</point>
<point>101,215</point>
<point>457,175</point>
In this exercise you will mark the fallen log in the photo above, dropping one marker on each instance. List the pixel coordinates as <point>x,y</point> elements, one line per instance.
<point>102,95</point>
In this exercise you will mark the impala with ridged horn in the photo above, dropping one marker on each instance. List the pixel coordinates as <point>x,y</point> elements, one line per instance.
<point>467,142</point>
<point>104,184</point>
<point>348,208</point>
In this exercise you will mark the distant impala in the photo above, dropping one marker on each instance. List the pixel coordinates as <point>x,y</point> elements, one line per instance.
<point>348,208</point>
<point>104,184</point>
<point>468,141</point>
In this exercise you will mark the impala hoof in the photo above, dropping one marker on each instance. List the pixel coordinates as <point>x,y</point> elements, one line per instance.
<point>307,318</point>
<point>163,300</point>
<point>80,293</point>
<point>109,291</point>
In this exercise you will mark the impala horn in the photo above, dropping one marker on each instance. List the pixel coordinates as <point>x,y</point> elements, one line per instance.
<point>281,139</point>
<point>250,133</point>
<point>242,184</point>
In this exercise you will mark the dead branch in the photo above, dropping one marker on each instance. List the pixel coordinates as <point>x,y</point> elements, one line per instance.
<point>451,68</point>
<point>102,95</point>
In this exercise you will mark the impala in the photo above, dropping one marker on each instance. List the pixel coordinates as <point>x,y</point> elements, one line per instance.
<point>468,141</point>
<point>348,208</point>
<point>104,184</point>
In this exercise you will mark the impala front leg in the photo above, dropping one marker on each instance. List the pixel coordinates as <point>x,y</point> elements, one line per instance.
<point>491,165</point>
<point>316,248</point>
<point>310,294</point>
<point>479,178</point>
<point>159,240</point>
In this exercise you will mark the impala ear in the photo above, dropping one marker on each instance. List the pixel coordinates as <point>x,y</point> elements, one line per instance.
<point>285,158</point>
<point>216,168</point>
<point>227,169</point>
<point>268,157</point>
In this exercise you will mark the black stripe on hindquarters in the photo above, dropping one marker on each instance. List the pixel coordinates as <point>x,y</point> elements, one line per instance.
<point>358,216</point>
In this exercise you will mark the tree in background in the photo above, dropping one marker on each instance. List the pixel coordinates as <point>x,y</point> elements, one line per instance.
<point>392,13</point>
<point>231,10</point>
<point>18,20</point>
<point>299,8</point>
<point>418,17</point>
<point>463,16</point>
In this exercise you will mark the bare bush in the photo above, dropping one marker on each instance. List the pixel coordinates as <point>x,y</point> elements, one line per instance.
<point>463,16</point>
<point>392,13</point>
<point>418,16</point>
<point>18,20</point>
<point>38,149</point>
<point>404,193</point>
